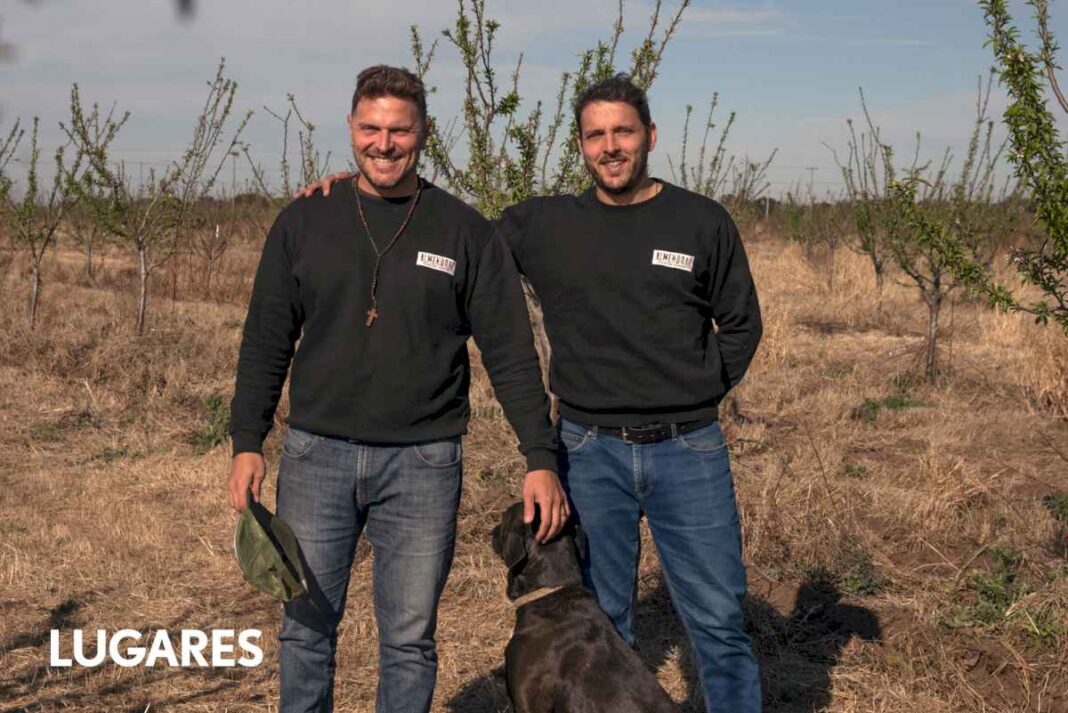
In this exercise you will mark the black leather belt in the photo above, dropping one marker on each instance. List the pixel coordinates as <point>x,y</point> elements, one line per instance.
<point>653,432</point>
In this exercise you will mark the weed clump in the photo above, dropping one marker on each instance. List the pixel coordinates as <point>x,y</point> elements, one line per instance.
<point>213,432</point>
<point>852,572</point>
<point>868,411</point>
<point>1057,504</point>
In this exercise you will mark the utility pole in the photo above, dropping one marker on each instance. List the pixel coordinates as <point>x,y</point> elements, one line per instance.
<point>812,182</point>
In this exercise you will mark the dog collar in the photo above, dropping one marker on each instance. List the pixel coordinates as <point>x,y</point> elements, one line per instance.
<point>537,594</point>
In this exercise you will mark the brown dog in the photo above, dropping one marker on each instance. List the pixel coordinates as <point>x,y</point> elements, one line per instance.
<point>565,656</point>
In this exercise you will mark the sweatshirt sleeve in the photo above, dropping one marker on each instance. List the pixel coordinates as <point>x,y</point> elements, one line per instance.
<point>501,327</point>
<point>734,303</point>
<point>275,316</point>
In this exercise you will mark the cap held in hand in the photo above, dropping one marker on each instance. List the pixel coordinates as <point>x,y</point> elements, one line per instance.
<point>267,552</point>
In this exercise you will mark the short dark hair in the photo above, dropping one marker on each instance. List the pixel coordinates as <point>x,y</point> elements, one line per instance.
<point>618,88</point>
<point>384,81</point>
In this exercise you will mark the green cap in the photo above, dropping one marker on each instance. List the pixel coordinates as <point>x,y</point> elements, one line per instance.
<point>267,552</point>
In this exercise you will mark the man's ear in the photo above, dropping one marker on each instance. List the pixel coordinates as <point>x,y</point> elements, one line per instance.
<point>424,133</point>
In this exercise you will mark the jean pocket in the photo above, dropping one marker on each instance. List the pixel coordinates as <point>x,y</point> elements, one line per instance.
<point>440,454</point>
<point>298,443</point>
<point>704,441</point>
<point>573,436</point>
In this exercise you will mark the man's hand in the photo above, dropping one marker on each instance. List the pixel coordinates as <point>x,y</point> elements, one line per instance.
<point>246,473</point>
<point>323,184</point>
<point>543,488</point>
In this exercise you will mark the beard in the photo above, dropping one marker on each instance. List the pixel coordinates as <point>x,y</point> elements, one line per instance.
<point>637,174</point>
<point>366,166</point>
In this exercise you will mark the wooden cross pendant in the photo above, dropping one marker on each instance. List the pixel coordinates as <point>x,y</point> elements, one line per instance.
<point>371,315</point>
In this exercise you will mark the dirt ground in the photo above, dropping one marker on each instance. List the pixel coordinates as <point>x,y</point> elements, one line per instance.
<point>906,541</point>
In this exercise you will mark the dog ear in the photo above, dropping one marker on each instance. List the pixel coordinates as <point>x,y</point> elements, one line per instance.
<point>509,538</point>
<point>495,539</point>
<point>513,547</point>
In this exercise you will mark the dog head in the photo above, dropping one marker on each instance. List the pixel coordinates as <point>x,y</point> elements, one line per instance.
<point>532,565</point>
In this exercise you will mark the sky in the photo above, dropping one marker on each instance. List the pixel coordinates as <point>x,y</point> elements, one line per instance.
<point>790,70</point>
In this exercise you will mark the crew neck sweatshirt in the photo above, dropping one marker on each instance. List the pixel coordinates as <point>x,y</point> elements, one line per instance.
<point>629,295</point>
<point>404,379</point>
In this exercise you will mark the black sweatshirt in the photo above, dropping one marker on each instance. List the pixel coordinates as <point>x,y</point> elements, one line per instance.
<point>629,294</point>
<point>405,379</point>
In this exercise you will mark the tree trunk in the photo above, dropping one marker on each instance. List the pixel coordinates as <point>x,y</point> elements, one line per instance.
<point>831,252</point>
<point>541,345</point>
<point>880,278</point>
<point>207,278</point>
<point>934,306</point>
<point>35,291</point>
<point>89,259</point>
<point>142,299</point>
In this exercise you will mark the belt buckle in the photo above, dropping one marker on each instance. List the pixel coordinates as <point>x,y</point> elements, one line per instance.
<point>638,435</point>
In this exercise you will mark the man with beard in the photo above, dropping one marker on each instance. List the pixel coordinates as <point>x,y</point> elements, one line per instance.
<point>382,282</point>
<point>631,275</point>
<point>652,316</point>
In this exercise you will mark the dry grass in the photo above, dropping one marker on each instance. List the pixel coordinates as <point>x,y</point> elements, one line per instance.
<point>901,554</point>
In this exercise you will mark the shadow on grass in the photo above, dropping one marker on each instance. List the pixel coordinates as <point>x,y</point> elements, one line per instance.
<point>796,652</point>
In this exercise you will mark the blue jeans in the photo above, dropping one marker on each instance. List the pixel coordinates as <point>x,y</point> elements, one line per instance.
<point>683,486</point>
<point>329,491</point>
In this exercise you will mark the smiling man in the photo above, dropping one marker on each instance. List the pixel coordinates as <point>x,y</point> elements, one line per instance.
<point>383,282</point>
<point>652,315</point>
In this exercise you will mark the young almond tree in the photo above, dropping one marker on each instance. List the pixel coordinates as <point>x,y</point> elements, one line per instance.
<point>737,182</point>
<point>8,145</point>
<point>817,226</point>
<point>968,211</point>
<point>202,162</point>
<point>508,157</point>
<point>312,164</point>
<point>219,221</point>
<point>35,217</point>
<point>151,218</point>
<point>1037,153</point>
<point>141,216</point>
<point>87,234</point>
<point>867,178</point>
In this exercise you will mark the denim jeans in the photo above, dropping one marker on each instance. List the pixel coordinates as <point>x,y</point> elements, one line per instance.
<point>329,491</point>
<point>683,486</point>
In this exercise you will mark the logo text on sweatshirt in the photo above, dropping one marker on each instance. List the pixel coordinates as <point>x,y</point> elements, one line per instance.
<point>436,262</point>
<point>679,261</point>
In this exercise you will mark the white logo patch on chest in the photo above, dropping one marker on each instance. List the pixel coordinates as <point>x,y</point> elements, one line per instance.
<point>679,261</point>
<point>436,262</point>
